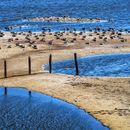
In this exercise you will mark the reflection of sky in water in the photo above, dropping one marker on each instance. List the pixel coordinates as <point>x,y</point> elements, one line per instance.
<point>42,112</point>
<point>99,65</point>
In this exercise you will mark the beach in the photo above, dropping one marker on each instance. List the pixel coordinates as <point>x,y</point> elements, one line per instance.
<point>106,98</point>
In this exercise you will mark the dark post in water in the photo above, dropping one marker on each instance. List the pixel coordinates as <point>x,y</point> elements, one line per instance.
<point>5,91</point>
<point>29,93</point>
<point>29,65</point>
<point>76,63</point>
<point>50,63</point>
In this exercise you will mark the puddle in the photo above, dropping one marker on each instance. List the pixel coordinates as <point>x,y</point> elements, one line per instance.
<point>20,111</point>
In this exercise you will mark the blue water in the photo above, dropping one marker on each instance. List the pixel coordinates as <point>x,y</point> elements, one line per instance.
<point>19,111</point>
<point>12,13</point>
<point>98,65</point>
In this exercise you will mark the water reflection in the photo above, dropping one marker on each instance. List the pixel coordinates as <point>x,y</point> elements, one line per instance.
<point>18,110</point>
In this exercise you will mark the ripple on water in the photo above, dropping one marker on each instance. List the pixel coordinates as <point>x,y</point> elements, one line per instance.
<point>20,111</point>
<point>98,65</point>
<point>117,10</point>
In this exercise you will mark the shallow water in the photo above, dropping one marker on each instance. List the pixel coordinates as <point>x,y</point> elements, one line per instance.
<point>14,11</point>
<point>98,65</point>
<point>20,111</point>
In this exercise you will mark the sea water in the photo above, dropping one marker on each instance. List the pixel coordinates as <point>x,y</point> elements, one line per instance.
<point>115,65</point>
<point>19,111</point>
<point>14,12</point>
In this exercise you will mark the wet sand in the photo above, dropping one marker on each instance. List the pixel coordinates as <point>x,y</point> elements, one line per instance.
<point>107,99</point>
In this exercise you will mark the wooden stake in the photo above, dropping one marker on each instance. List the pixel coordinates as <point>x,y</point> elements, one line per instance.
<point>76,63</point>
<point>29,65</point>
<point>50,63</point>
<point>5,69</point>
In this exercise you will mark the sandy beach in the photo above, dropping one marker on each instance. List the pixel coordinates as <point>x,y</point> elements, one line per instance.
<point>106,98</point>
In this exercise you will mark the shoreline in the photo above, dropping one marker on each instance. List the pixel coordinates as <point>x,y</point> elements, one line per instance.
<point>106,98</point>
<point>61,100</point>
<point>99,114</point>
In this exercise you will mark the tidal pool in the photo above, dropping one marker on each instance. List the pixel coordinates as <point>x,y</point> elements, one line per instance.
<point>97,65</point>
<point>19,111</point>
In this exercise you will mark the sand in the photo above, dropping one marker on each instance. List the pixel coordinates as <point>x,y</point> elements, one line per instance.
<point>106,98</point>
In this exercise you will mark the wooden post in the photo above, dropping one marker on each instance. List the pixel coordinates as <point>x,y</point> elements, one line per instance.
<point>5,91</point>
<point>5,69</point>
<point>5,75</point>
<point>29,65</point>
<point>29,93</point>
<point>50,63</point>
<point>76,63</point>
